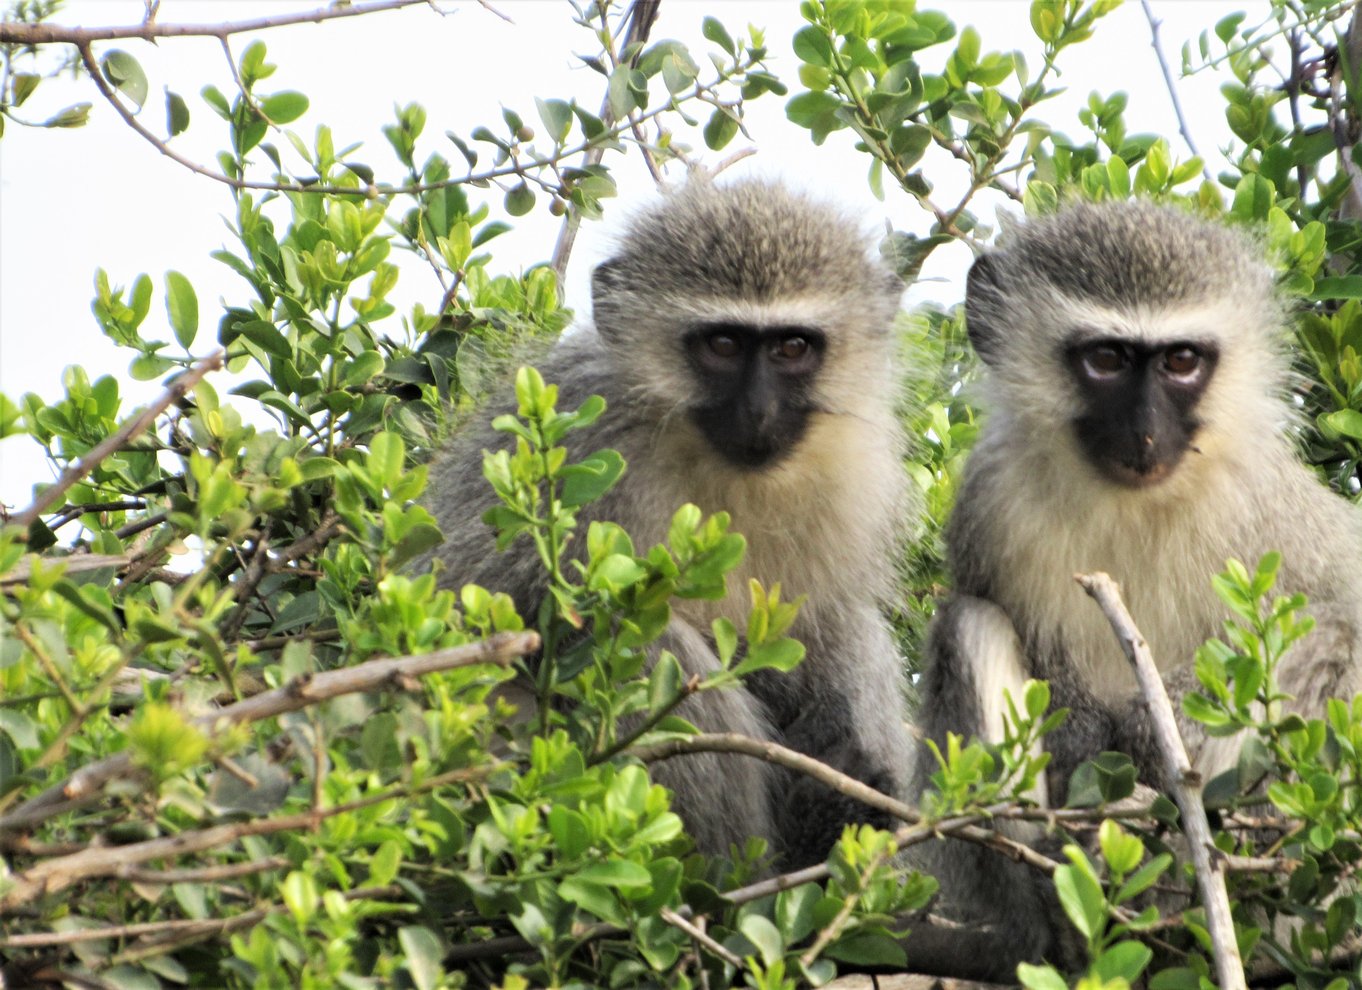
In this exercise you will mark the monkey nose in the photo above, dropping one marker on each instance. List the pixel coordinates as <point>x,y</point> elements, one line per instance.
<point>1147,440</point>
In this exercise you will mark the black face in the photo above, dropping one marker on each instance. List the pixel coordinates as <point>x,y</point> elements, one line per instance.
<point>755,388</point>
<point>1140,403</point>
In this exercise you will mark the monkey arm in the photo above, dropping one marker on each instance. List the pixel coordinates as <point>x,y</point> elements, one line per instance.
<point>842,706</point>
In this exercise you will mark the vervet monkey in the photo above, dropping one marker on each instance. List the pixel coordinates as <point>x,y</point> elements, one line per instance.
<point>742,341</point>
<point>1138,423</point>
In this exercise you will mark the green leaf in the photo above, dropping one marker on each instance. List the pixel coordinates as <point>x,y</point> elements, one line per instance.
<point>124,72</point>
<point>1144,878</point>
<point>782,654</point>
<point>386,454</point>
<point>182,305</point>
<point>1040,977</point>
<point>1121,850</point>
<point>868,949</point>
<point>570,832</point>
<point>177,114</point>
<point>1253,198</point>
<point>665,682</point>
<point>424,955</point>
<point>615,873</point>
<point>1123,961</point>
<point>591,478</point>
<point>1081,898</point>
<point>1337,287</point>
<point>19,727</point>
<point>813,46</point>
<point>591,897</point>
<point>717,33</point>
<point>556,116</point>
<point>285,107</point>
<point>765,936</point>
<point>816,111</point>
<point>721,129</point>
<point>266,337</point>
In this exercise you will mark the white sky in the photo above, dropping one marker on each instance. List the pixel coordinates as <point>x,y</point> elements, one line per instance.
<point>75,200</point>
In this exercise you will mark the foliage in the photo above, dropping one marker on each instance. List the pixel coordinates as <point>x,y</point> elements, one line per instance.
<point>437,828</point>
<point>413,828</point>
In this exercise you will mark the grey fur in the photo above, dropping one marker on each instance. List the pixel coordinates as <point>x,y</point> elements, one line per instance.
<point>824,521</point>
<point>1032,512</point>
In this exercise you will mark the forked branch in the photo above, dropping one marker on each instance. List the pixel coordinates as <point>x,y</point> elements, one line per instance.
<point>1186,784</point>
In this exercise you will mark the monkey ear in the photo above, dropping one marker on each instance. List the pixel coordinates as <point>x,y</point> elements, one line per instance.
<point>983,293</point>
<point>607,280</point>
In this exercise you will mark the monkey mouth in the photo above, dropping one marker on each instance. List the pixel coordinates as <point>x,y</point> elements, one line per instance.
<point>1140,474</point>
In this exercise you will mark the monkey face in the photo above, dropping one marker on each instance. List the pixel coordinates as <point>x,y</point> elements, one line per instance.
<point>755,386</point>
<point>1139,403</point>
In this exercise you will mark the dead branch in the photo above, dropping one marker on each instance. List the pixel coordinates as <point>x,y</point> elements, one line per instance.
<point>77,563</point>
<point>300,692</point>
<point>55,875</point>
<point>698,935</point>
<point>261,565</point>
<point>120,438</point>
<point>49,34</point>
<point>641,15</point>
<point>1185,782</point>
<point>1183,129</point>
<point>173,926</point>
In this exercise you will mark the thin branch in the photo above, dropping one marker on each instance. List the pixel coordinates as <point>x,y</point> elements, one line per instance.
<point>175,926</point>
<point>699,936</point>
<point>204,874</point>
<point>48,34</point>
<point>55,875</point>
<point>77,563</point>
<point>1184,781</point>
<point>119,439</point>
<point>966,827</point>
<point>1183,129</point>
<point>641,15</point>
<point>835,926</point>
<point>732,742</point>
<point>261,564</point>
<point>298,693</point>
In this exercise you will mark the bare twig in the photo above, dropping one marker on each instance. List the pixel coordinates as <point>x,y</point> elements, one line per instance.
<point>1183,129</point>
<point>1340,86</point>
<point>700,937</point>
<point>298,693</point>
<point>641,15</point>
<point>174,926</point>
<point>120,438</point>
<point>203,874</point>
<point>774,885</point>
<point>260,565</point>
<point>732,742</point>
<point>79,563</point>
<point>834,927</point>
<point>46,34</point>
<point>55,875</point>
<point>1184,781</point>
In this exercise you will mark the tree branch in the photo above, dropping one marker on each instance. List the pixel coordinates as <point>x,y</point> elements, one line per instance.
<point>1183,129</point>
<point>1185,782</point>
<point>120,438</point>
<point>48,34</point>
<point>298,693</point>
<point>641,15</point>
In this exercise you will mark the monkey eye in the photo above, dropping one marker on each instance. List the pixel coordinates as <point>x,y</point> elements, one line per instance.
<point>1105,360</point>
<point>1181,361</point>
<point>790,348</point>
<point>724,345</point>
